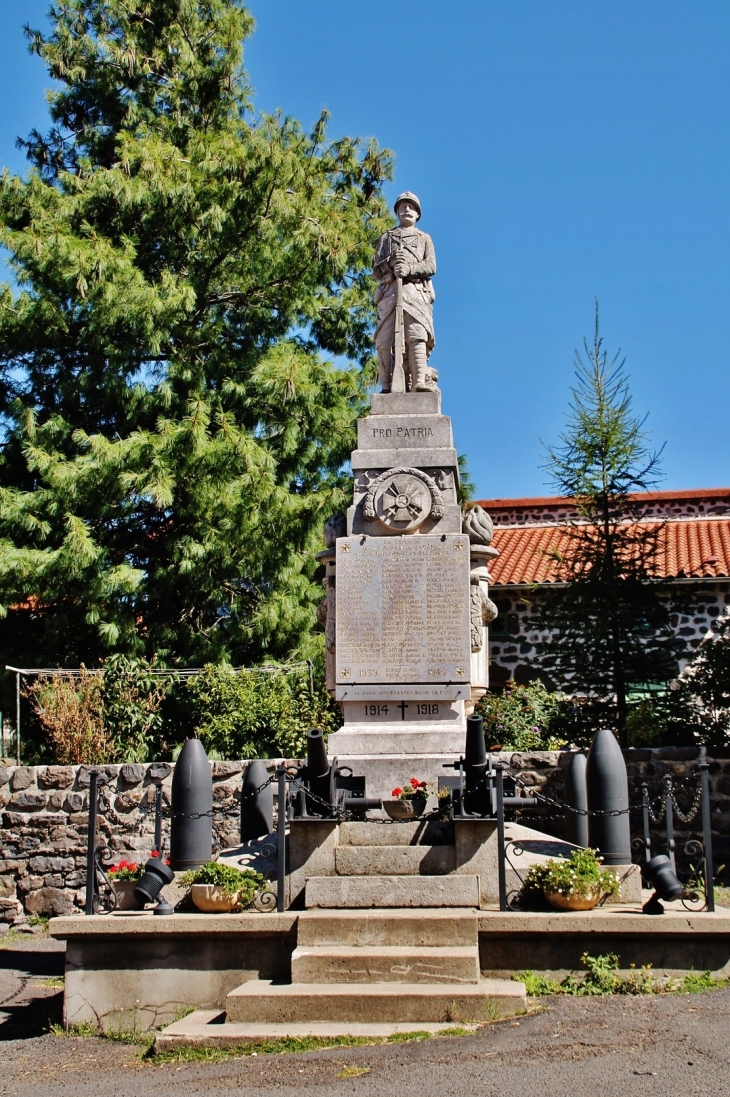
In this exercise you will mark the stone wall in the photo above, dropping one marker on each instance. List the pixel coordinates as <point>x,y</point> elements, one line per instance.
<point>44,815</point>
<point>558,511</point>
<point>513,642</point>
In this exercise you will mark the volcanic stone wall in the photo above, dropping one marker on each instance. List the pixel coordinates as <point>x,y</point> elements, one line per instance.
<point>44,816</point>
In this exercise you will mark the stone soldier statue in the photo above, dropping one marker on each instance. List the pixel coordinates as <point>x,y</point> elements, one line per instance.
<point>404,264</point>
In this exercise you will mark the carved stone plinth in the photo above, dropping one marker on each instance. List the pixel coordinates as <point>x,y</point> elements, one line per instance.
<point>406,606</point>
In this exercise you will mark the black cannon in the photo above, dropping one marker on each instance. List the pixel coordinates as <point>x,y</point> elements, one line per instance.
<point>324,790</point>
<point>475,791</point>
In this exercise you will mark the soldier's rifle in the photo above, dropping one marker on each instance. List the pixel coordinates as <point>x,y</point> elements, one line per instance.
<point>398,380</point>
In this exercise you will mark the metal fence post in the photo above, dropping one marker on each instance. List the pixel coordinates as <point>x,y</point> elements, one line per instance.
<point>91,843</point>
<point>646,819</point>
<point>707,830</point>
<point>501,868</point>
<point>281,835</point>
<point>669,813</point>
<point>158,819</point>
<point>17,717</point>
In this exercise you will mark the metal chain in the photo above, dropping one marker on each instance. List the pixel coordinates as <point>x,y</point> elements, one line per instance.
<point>553,802</point>
<point>269,781</point>
<point>686,817</point>
<point>657,815</point>
<point>331,808</point>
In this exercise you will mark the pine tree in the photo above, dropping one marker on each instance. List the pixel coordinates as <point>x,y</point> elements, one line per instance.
<point>174,432</point>
<point>609,624</point>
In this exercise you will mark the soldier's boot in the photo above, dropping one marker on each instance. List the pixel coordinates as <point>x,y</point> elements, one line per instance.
<point>418,359</point>
<point>385,369</point>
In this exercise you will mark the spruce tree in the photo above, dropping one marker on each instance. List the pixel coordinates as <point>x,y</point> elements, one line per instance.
<point>609,624</point>
<point>184,270</point>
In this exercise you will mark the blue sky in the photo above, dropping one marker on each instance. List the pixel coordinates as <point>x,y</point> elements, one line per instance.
<point>562,150</point>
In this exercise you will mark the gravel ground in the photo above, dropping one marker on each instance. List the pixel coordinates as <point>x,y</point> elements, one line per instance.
<point>661,1045</point>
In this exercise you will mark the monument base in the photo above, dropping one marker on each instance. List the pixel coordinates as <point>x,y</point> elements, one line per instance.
<point>389,755</point>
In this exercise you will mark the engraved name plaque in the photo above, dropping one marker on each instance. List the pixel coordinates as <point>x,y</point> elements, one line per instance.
<point>403,609</point>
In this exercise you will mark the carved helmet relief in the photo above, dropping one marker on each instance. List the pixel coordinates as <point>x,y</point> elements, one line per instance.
<point>402,499</point>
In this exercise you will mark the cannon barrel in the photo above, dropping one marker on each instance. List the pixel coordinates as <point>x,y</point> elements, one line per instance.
<point>361,803</point>
<point>475,753</point>
<point>318,767</point>
<point>520,801</point>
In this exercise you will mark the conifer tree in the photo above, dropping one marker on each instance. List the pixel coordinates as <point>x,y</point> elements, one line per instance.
<point>174,432</point>
<point>609,624</point>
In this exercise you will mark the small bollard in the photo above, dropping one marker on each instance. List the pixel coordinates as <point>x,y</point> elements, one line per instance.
<point>576,801</point>
<point>608,795</point>
<point>191,808</point>
<point>257,804</point>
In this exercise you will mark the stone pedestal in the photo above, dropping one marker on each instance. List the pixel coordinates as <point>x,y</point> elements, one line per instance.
<point>407,657</point>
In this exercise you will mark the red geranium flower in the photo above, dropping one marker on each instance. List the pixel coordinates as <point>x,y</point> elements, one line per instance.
<point>414,783</point>
<point>396,792</point>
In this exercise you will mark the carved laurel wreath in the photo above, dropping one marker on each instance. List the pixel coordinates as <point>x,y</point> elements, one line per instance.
<point>437,502</point>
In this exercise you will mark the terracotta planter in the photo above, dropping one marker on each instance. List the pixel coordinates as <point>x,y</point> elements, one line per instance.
<point>574,902</point>
<point>405,809</point>
<point>212,899</point>
<point>124,891</point>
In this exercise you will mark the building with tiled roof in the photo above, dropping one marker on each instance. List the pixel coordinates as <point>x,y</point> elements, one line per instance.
<point>692,550</point>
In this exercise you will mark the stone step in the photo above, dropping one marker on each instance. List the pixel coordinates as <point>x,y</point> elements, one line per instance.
<point>395,860</point>
<point>416,928</point>
<point>421,832</point>
<point>209,1028</point>
<point>363,892</point>
<point>384,964</point>
<point>262,1002</point>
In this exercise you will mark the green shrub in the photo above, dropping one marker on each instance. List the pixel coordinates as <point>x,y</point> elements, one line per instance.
<point>524,717</point>
<point>250,714</point>
<point>231,880</point>
<point>131,697</point>
<point>579,874</point>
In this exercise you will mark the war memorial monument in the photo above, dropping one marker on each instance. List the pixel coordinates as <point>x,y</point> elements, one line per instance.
<point>406,605</point>
<point>381,927</point>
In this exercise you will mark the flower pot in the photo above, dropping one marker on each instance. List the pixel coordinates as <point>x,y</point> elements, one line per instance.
<point>573,901</point>
<point>405,809</point>
<point>124,891</point>
<point>212,899</point>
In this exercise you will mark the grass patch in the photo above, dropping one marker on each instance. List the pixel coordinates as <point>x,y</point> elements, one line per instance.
<point>84,1029</point>
<point>12,937</point>
<point>722,896</point>
<point>352,1072</point>
<point>289,1044</point>
<point>603,977</point>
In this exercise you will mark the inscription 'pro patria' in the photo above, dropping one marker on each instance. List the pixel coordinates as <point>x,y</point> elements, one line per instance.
<point>403,609</point>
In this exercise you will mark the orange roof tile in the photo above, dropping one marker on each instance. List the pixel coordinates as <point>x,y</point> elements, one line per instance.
<point>639,497</point>
<point>688,548</point>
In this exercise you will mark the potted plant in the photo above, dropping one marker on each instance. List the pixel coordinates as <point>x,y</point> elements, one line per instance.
<point>218,888</point>
<point>577,882</point>
<point>122,877</point>
<point>409,802</point>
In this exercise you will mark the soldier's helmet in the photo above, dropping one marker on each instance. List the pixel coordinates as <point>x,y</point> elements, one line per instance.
<point>408,196</point>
